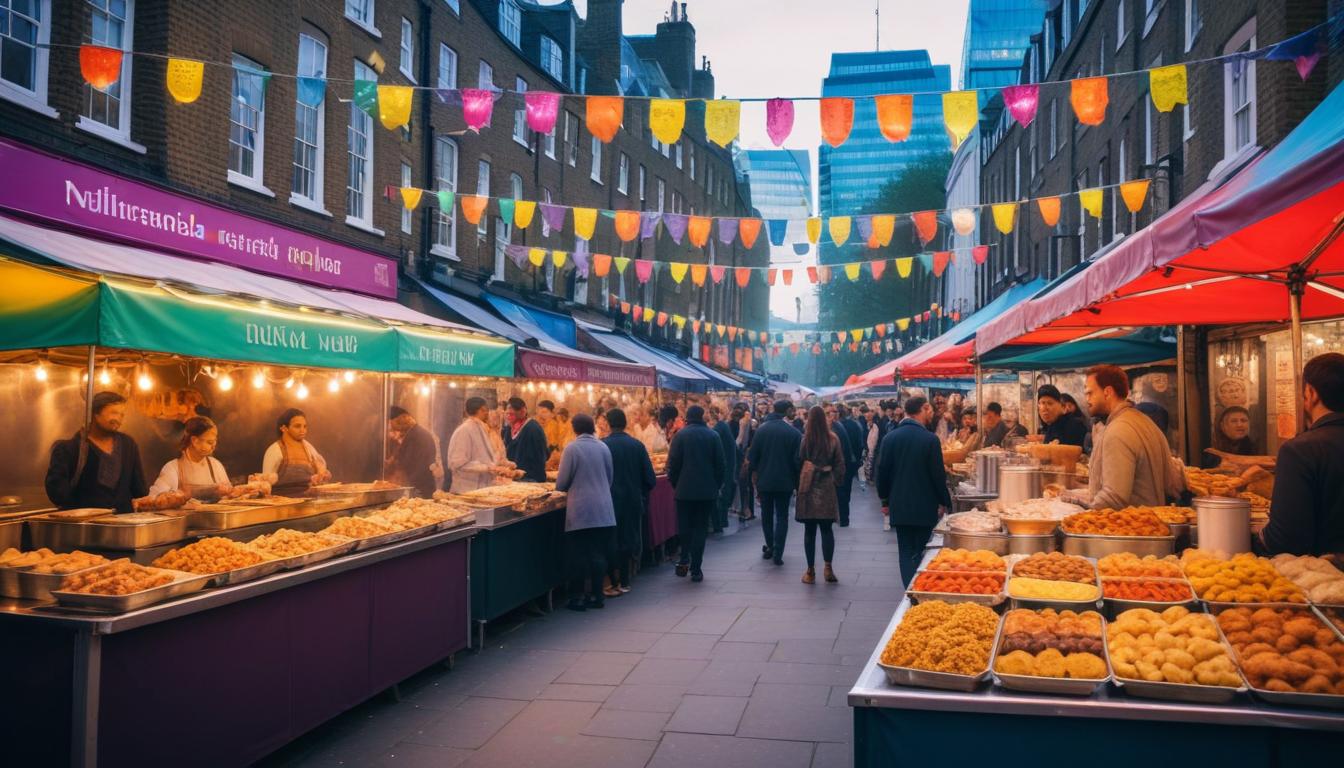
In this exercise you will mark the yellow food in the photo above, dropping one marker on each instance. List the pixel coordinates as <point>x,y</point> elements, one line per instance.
<point>288,542</point>
<point>357,527</point>
<point>1173,514</point>
<point>1174,646</point>
<point>1042,589</point>
<point>1204,483</point>
<point>1285,649</point>
<point>120,578</point>
<point>1131,521</point>
<point>68,563</point>
<point>1129,564</point>
<point>1034,631</point>
<point>1244,578</point>
<point>1318,577</point>
<point>212,555</point>
<point>943,637</point>
<point>13,558</point>
<point>405,514</point>
<point>1052,663</point>
<point>966,560</point>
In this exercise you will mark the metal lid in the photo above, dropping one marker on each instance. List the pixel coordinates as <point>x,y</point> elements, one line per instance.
<point>1221,502</point>
<point>1019,468</point>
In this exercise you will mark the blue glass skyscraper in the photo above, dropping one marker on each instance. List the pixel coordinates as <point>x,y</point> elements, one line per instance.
<point>998,33</point>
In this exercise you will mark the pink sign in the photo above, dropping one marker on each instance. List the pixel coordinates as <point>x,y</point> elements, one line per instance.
<point>541,365</point>
<point>107,205</point>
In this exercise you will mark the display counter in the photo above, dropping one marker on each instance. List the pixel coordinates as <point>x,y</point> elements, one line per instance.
<point>514,559</point>
<point>228,675</point>
<point>662,514</point>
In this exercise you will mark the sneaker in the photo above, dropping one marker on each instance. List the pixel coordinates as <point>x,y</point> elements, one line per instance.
<point>698,576</point>
<point>683,569</point>
<point>766,554</point>
<point>611,592</point>
<point>886,526</point>
<point>624,588</point>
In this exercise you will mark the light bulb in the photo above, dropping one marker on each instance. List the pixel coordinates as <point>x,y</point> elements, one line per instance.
<point>302,392</point>
<point>258,379</point>
<point>144,382</point>
<point>289,383</point>
<point>104,378</point>
<point>452,385</point>
<point>40,373</point>
<point>349,377</point>
<point>334,385</point>
<point>225,382</point>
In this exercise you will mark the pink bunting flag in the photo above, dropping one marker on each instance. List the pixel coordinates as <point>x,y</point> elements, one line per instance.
<point>980,253</point>
<point>1021,101</point>
<point>716,274</point>
<point>643,270</point>
<point>477,105</point>
<point>778,120</point>
<point>542,109</point>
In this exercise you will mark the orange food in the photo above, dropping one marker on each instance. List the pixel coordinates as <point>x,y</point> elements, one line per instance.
<point>1056,566</point>
<point>1285,649</point>
<point>966,560</point>
<point>1129,564</point>
<point>960,583</point>
<point>1150,590</point>
<point>1131,521</point>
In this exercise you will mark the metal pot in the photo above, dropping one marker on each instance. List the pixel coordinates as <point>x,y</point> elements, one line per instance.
<point>987,463</point>
<point>1018,483</point>
<point>1224,524</point>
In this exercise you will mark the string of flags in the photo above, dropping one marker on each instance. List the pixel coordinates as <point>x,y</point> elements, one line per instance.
<point>603,115</point>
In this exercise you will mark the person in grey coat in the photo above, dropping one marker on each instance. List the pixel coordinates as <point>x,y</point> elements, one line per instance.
<point>590,516</point>
<point>695,467</point>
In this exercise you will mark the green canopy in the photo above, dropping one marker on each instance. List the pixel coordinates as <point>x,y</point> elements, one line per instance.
<point>1146,346</point>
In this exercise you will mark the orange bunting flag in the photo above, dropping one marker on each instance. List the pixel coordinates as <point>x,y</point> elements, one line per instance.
<point>839,227</point>
<point>699,230</point>
<point>695,326</point>
<point>627,225</point>
<point>940,260</point>
<point>884,227</point>
<point>816,349</point>
<point>678,271</point>
<point>601,264</point>
<point>852,271</point>
<point>99,65</point>
<point>1167,87</point>
<point>662,319</point>
<point>410,197</point>
<point>698,272</point>
<point>793,347</point>
<point>585,222</point>
<point>472,207</point>
<point>877,268</point>
<point>961,112</point>
<point>748,229</point>
<point>1134,193</point>
<point>812,274</point>
<point>743,275</point>
<point>926,225</point>
<point>1091,200</point>
<point>881,329</point>
<point>904,265</point>
<point>722,120</point>
<point>523,210</point>
<point>1049,208</point>
<point>871,243</point>
<point>788,277</point>
<point>770,277</point>
<point>813,230</point>
<point>837,118</point>
<point>1004,214</point>
<point>1089,98</point>
<point>603,116</point>
<point>732,333</point>
<point>638,313</point>
<point>895,115</point>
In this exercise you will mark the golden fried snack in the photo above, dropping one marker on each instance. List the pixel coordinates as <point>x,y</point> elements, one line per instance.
<point>1131,521</point>
<point>13,558</point>
<point>357,527</point>
<point>215,554</point>
<point>966,560</point>
<point>1244,578</point>
<point>1285,649</point>
<point>1056,566</point>
<point>1043,589</point>
<point>1129,564</point>
<point>288,542</point>
<point>68,563</point>
<point>1174,646</point>
<point>120,578</point>
<point>1318,577</point>
<point>943,637</point>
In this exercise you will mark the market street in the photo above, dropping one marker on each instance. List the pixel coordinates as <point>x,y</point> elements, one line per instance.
<point>750,667</point>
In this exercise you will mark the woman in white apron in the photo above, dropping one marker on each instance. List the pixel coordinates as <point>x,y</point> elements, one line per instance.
<point>291,463</point>
<point>195,472</point>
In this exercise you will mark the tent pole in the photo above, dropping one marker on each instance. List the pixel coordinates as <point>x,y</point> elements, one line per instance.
<point>979,400</point>
<point>387,405</point>
<point>88,390</point>
<point>1295,305</point>
<point>1180,392</point>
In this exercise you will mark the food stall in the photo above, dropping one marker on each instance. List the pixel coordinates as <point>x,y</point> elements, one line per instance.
<point>302,607</point>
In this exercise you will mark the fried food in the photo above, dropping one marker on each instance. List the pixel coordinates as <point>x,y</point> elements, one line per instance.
<point>120,578</point>
<point>943,637</point>
<point>1056,566</point>
<point>1131,521</point>
<point>1042,589</point>
<point>1129,564</point>
<point>966,560</point>
<point>1147,589</point>
<point>357,527</point>
<point>1034,631</point>
<point>1174,646</point>
<point>1175,515</point>
<point>1318,577</point>
<point>288,542</point>
<point>959,582</point>
<point>68,563</point>
<point>1204,483</point>
<point>1285,649</point>
<point>1244,578</point>
<point>215,554</point>
<point>14,558</point>
<point>405,513</point>
<point>1259,505</point>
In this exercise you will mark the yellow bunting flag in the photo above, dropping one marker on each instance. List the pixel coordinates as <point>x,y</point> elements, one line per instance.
<point>856,334</point>
<point>472,207</point>
<point>666,119</point>
<point>884,227</point>
<point>839,226</point>
<point>1004,214</point>
<point>585,221</point>
<point>410,197</point>
<point>523,210</point>
<point>1167,87</point>
<point>558,258</point>
<point>394,105</point>
<point>1091,199</point>
<point>1049,208</point>
<point>904,265</point>
<point>184,79</point>
<point>722,118</point>
<point>813,230</point>
<point>852,271</point>
<point>678,271</point>
<point>1089,97</point>
<point>1134,193</point>
<point>536,255</point>
<point>961,111</point>
<point>603,116</point>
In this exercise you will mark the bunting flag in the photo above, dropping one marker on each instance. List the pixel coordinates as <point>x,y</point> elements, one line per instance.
<point>743,276</point>
<point>877,268</point>
<point>856,334</point>
<point>837,118</point>
<point>732,333</point>
<point>662,319</point>
<point>778,229</point>
<point>722,120</point>
<point>903,324</point>
<point>980,253</point>
<point>1049,208</point>
<point>643,270</point>
<point>788,276</point>
<point>601,264</point>
<point>812,275</point>
<point>852,271</point>
<point>312,91</point>
<point>1167,87</point>
<point>542,109</point>
<point>585,222</point>
<point>926,225</point>
<point>625,308</point>
<point>506,206</point>
<point>895,115</point>
<point>558,259</point>
<point>648,224</point>
<point>1022,101</point>
<point>961,113</point>
<point>477,106</point>
<point>678,271</point>
<point>1089,97</point>
<point>675,223</point>
<point>963,221</point>
<point>410,197</point>
<point>666,119</point>
<point>778,120</point>
<point>695,326</point>
<point>770,277</point>
<point>883,229</point>
<point>748,230</point>
<point>621,263</point>
<point>699,230</point>
<point>627,225</point>
<point>99,65</point>
<point>824,274</point>
<point>728,231</point>
<point>1090,199</point>
<point>365,96</point>
<point>1133,193</point>
<point>637,313</point>
<point>603,115</point>
<point>813,230</point>
<point>472,207</point>
<point>445,198</point>
<point>716,274</point>
<point>394,105</point>
<point>904,265</point>
<point>537,256</point>
<point>1004,214</point>
<point>184,78</point>
<point>940,261</point>
<point>698,272</point>
<point>839,228</point>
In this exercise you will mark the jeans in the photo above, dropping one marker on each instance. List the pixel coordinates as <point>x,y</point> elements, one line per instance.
<point>810,541</point>
<point>693,527</point>
<point>910,541</point>
<point>586,552</point>
<point>842,494</point>
<point>775,520</point>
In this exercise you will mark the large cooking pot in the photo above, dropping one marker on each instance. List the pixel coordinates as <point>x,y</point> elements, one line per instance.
<point>1018,483</point>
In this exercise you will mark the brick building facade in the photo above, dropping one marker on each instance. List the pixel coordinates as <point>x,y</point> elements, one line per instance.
<point>1234,109</point>
<point>253,146</point>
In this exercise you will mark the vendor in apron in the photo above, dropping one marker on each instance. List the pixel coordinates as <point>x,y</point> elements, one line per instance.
<point>195,472</point>
<point>291,463</point>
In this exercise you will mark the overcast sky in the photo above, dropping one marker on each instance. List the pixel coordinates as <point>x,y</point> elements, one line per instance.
<point>781,48</point>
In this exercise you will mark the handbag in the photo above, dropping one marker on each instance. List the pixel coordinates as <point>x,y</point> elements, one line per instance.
<point>805,477</point>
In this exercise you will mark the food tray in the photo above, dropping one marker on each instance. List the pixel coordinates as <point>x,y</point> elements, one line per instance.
<point>83,513</point>
<point>247,573</point>
<point>923,678</point>
<point>919,596</point>
<point>362,494</point>
<point>1095,546</point>
<point>1186,692</point>
<point>392,537</point>
<point>184,583</point>
<point>1065,686</point>
<point>39,586</point>
<point>1058,605</point>
<point>302,561</point>
<point>1116,606</point>
<point>456,522</point>
<point>1031,526</point>
<point>219,517</point>
<point>11,534</point>
<point>994,542</point>
<point>9,582</point>
<point>112,535</point>
<point>1331,701</point>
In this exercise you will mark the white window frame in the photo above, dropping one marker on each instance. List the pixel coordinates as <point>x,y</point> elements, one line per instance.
<point>483,189</point>
<point>1245,38</point>
<point>623,175</point>
<point>596,173</point>
<point>504,231</point>
<point>407,64</point>
<point>364,19</point>
<point>1121,30</point>
<point>35,99</point>
<point>678,155</point>
<point>485,76</point>
<point>122,134</point>
<point>690,156</point>
<point>643,183</point>
<point>662,195</point>
<point>406,213</point>
<point>1187,127</point>
<point>552,58</point>
<point>255,180</point>
<point>445,231</point>
<point>360,126</point>
<point>447,67</point>
<point>1122,176</point>
<point>454,6</point>
<point>1054,128</point>
<point>1194,23</point>
<point>511,22</point>
<point>571,139</point>
<point>1151,9</point>
<point>1080,183</point>
<point>1017,173</point>
<point>520,114</point>
<point>312,202</point>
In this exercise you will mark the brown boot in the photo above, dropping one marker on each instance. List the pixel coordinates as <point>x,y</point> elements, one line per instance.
<point>829,574</point>
<point>809,576</point>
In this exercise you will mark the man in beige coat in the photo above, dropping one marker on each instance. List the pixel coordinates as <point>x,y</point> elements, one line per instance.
<point>1130,457</point>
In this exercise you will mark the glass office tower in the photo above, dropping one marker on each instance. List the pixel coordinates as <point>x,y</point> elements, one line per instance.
<point>998,33</point>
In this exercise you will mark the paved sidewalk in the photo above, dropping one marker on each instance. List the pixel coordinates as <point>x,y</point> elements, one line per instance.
<point>748,668</point>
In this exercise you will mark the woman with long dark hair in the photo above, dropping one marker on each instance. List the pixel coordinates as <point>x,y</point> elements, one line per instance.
<point>818,506</point>
<point>195,472</point>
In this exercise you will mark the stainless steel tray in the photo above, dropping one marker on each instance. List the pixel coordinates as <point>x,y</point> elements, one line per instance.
<point>994,542</point>
<point>923,678</point>
<point>1066,686</point>
<point>392,537</point>
<point>1187,692</point>
<point>1058,605</point>
<point>223,516</point>
<point>457,522</point>
<point>1088,545</point>
<point>919,596</point>
<point>9,582</point>
<point>39,586</point>
<point>108,535</point>
<point>248,573</point>
<point>301,561</point>
<point>184,583</point>
<point>1117,606</point>
<point>362,498</point>
<point>11,534</point>
<point>1294,699</point>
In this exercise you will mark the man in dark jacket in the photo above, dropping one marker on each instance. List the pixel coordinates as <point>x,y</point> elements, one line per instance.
<point>413,453</point>
<point>632,479</point>
<point>525,442</point>
<point>912,483</point>
<point>858,450</point>
<point>1057,423</point>
<point>774,461</point>
<point>725,433</point>
<point>100,466</point>
<point>695,467</point>
<point>1308,501</point>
